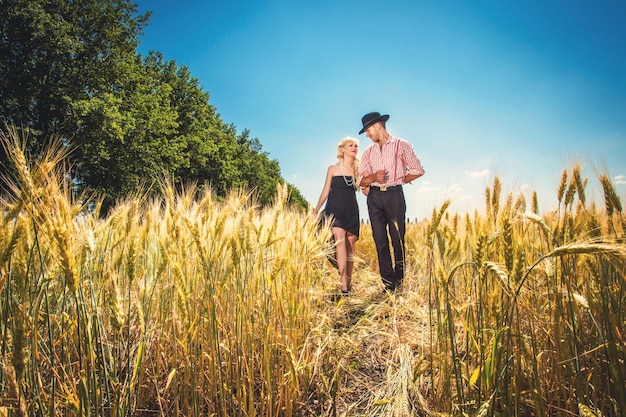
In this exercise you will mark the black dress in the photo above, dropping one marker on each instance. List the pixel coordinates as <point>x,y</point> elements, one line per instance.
<point>342,205</point>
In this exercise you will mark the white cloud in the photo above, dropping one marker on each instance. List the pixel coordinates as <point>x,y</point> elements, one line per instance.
<point>454,189</point>
<point>426,188</point>
<point>620,179</point>
<point>476,174</point>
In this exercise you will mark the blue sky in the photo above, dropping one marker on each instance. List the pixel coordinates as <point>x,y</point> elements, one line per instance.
<point>518,90</point>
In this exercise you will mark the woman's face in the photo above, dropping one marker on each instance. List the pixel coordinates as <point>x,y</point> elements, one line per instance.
<point>351,148</point>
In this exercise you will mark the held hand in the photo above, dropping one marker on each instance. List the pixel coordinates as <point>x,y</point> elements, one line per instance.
<point>380,176</point>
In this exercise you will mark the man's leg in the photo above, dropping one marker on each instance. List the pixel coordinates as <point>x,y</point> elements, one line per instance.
<point>378,220</point>
<point>397,231</point>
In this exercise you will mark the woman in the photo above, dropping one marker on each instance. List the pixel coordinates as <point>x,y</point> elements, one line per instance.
<point>339,193</point>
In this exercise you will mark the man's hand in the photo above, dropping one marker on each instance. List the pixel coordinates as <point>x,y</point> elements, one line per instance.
<point>410,177</point>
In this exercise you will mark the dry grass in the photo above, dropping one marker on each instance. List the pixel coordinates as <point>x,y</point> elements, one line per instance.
<point>185,304</point>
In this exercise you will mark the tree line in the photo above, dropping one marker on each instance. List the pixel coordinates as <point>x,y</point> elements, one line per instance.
<point>70,69</point>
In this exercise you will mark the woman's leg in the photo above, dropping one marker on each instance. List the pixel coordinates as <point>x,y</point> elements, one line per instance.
<point>350,242</point>
<point>342,255</point>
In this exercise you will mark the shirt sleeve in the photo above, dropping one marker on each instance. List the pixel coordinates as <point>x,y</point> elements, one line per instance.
<point>412,164</point>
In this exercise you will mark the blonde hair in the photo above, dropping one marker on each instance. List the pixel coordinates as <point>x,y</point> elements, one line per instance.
<point>347,141</point>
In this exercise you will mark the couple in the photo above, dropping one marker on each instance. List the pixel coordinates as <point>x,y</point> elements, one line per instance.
<point>387,164</point>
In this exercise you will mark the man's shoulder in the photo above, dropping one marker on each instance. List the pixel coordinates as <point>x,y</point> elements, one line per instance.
<point>400,141</point>
<point>393,138</point>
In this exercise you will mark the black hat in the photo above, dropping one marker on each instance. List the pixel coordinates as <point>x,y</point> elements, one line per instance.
<point>371,118</point>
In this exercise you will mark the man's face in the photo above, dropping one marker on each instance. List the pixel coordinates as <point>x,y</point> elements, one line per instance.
<point>373,132</point>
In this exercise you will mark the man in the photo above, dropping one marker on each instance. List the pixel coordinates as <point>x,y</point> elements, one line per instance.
<point>386,165</point>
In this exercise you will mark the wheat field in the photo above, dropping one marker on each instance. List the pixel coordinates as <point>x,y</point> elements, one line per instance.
<point>180,303</point>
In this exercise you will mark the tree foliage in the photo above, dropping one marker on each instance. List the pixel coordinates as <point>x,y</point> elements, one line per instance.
<point>71,68</point>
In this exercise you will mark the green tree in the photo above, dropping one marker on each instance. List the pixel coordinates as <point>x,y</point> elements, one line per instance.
<point>54,53</point>
<point>210,144</point>
<point>71,68</point>
<point>128,137</point>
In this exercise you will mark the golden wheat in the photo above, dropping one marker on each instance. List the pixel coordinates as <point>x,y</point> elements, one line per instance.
<point>182,303</point>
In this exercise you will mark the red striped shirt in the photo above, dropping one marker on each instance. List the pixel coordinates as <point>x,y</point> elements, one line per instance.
<point>396,157</point>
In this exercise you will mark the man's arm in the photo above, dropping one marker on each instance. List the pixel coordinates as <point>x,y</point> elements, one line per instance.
<point>413,165</point>
<point>378,176</point>
<point>410,177</point>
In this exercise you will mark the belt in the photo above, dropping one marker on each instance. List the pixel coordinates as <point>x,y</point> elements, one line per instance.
<point>387,188</point>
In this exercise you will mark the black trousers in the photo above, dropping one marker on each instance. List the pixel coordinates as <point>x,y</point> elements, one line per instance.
<point>387,211</point>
